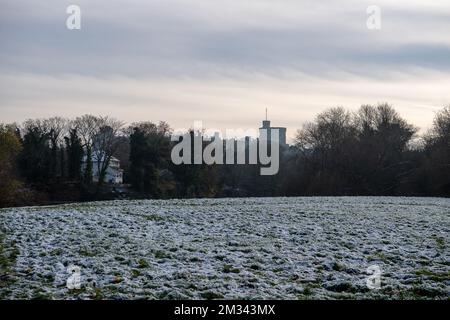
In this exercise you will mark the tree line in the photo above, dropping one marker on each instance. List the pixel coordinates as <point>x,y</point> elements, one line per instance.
<point>373,151</point>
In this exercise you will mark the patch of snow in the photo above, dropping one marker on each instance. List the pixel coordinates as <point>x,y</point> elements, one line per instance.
<point>258,248</point>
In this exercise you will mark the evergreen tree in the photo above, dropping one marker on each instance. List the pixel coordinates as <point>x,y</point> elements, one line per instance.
<point>74,151</point>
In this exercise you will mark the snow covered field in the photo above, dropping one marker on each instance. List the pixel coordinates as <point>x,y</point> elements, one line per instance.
<point>281,248</point>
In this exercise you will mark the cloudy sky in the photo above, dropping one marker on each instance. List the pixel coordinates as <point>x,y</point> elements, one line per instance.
<point>222,62</point>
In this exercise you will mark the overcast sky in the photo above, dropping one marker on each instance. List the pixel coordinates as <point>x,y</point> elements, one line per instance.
<point>222,62</point>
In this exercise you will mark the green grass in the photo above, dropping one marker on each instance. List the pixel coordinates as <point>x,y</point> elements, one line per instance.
<point>160,254</point>
<point>86,253</point>
<point>255,267</point>
<point>229,269</point>
<point>40,295</point>
<point>97,294</point>
<point>432,275</point>
<point>154,217</point>
<point>194,259</point>
<point>378,256</point>
<point>135,273</point>
<point>56,252</point>
<point>142,264</point>
<point>209,295</point>
<point>440,242</point>
<point>117,279</point>
<point>338,267</point>
<point>8,256</point>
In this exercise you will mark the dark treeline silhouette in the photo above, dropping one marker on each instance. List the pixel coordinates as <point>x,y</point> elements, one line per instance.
<point>373,151</point>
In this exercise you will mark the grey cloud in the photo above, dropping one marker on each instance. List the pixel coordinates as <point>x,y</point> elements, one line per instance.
<point>202,58</point>
<point>156,39</point>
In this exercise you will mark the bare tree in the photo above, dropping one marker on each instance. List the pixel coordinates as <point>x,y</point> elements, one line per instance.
<point>330,129</point>
<point>56,128</point>
<point>87,127</point>
<point>106,143</point>
<point>441,124</point>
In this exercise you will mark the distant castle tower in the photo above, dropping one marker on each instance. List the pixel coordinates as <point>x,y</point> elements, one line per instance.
<point>281,131</point>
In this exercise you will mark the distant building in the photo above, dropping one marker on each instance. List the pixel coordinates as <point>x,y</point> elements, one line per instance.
<point>281,132</point>
<point>114,174</point>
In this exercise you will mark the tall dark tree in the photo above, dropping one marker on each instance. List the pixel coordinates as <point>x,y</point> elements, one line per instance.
<point>149,152</point>
<point>74,151</point>
<point>36,157</point>
<point>436,166</point>
<point>347,154</point>
<point>56,127</point>
<point>325,147</point>
<point>10,147</point>
<point>87,128</point>
<point>380,164</point>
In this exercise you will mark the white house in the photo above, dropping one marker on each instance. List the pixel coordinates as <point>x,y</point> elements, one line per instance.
<point>114,174</point>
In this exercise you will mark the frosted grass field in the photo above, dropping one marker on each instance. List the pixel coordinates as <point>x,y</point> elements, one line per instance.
<point>279,248</point>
